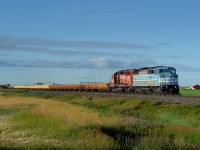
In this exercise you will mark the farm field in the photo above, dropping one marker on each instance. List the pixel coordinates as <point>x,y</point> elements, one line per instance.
<point>47,121</point>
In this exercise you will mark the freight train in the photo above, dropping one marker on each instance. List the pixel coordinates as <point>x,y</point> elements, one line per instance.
<point>147,80</point>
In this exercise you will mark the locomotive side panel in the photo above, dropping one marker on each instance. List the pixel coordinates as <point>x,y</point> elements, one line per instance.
<point>145,80</point>
<point>122,78</point>
<point>125,79</point>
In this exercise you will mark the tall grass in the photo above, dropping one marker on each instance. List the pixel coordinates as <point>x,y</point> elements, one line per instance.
<point>49,127</point>
<point>53,123</point>
<point>70,122</point>
<point>6,110</point>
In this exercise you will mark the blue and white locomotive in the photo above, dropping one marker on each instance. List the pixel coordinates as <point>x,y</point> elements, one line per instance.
<point>158,79</point>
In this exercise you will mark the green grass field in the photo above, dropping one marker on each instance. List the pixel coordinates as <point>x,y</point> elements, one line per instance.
<point>190,92</point>
<point>46,121</point>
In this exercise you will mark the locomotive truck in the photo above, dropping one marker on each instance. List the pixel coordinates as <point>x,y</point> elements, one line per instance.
<point>148,80</point>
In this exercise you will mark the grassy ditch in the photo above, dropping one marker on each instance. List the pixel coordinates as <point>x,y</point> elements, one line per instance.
<point>71,122</point>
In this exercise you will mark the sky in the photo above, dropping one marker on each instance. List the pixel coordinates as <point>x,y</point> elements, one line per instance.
<point>72,41</point>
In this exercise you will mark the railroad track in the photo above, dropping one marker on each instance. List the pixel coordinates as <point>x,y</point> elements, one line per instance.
<point>194,100</point>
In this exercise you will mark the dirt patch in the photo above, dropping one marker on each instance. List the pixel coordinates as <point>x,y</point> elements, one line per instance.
<point>131,120</point>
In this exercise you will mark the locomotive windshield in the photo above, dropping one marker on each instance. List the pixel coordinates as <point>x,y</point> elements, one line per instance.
<point>170,71</point>
<point>167,71</point>
<point>161,70</point>
<point>173,71</point>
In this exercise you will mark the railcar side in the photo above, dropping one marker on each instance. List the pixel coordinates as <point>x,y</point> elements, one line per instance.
<point>97,87</point>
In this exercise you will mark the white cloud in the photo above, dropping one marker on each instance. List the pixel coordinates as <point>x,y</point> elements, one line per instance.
<point>99,62</point>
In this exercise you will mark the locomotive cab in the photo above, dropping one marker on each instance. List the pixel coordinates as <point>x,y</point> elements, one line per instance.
<point>168,80</point>
<point>168,76</point>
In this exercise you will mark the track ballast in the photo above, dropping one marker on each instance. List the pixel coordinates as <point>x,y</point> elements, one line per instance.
<point>175,99</point>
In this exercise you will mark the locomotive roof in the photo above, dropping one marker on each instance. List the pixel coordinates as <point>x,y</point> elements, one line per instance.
<point>141,68</point>
<point>144,68</point>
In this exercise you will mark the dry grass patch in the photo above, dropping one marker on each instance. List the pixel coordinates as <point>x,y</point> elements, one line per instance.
<point>70,113</point>
<point>51,124</point>
<point>13,101</point>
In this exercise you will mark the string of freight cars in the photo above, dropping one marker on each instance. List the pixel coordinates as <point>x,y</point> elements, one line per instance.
<point>149,80</point>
